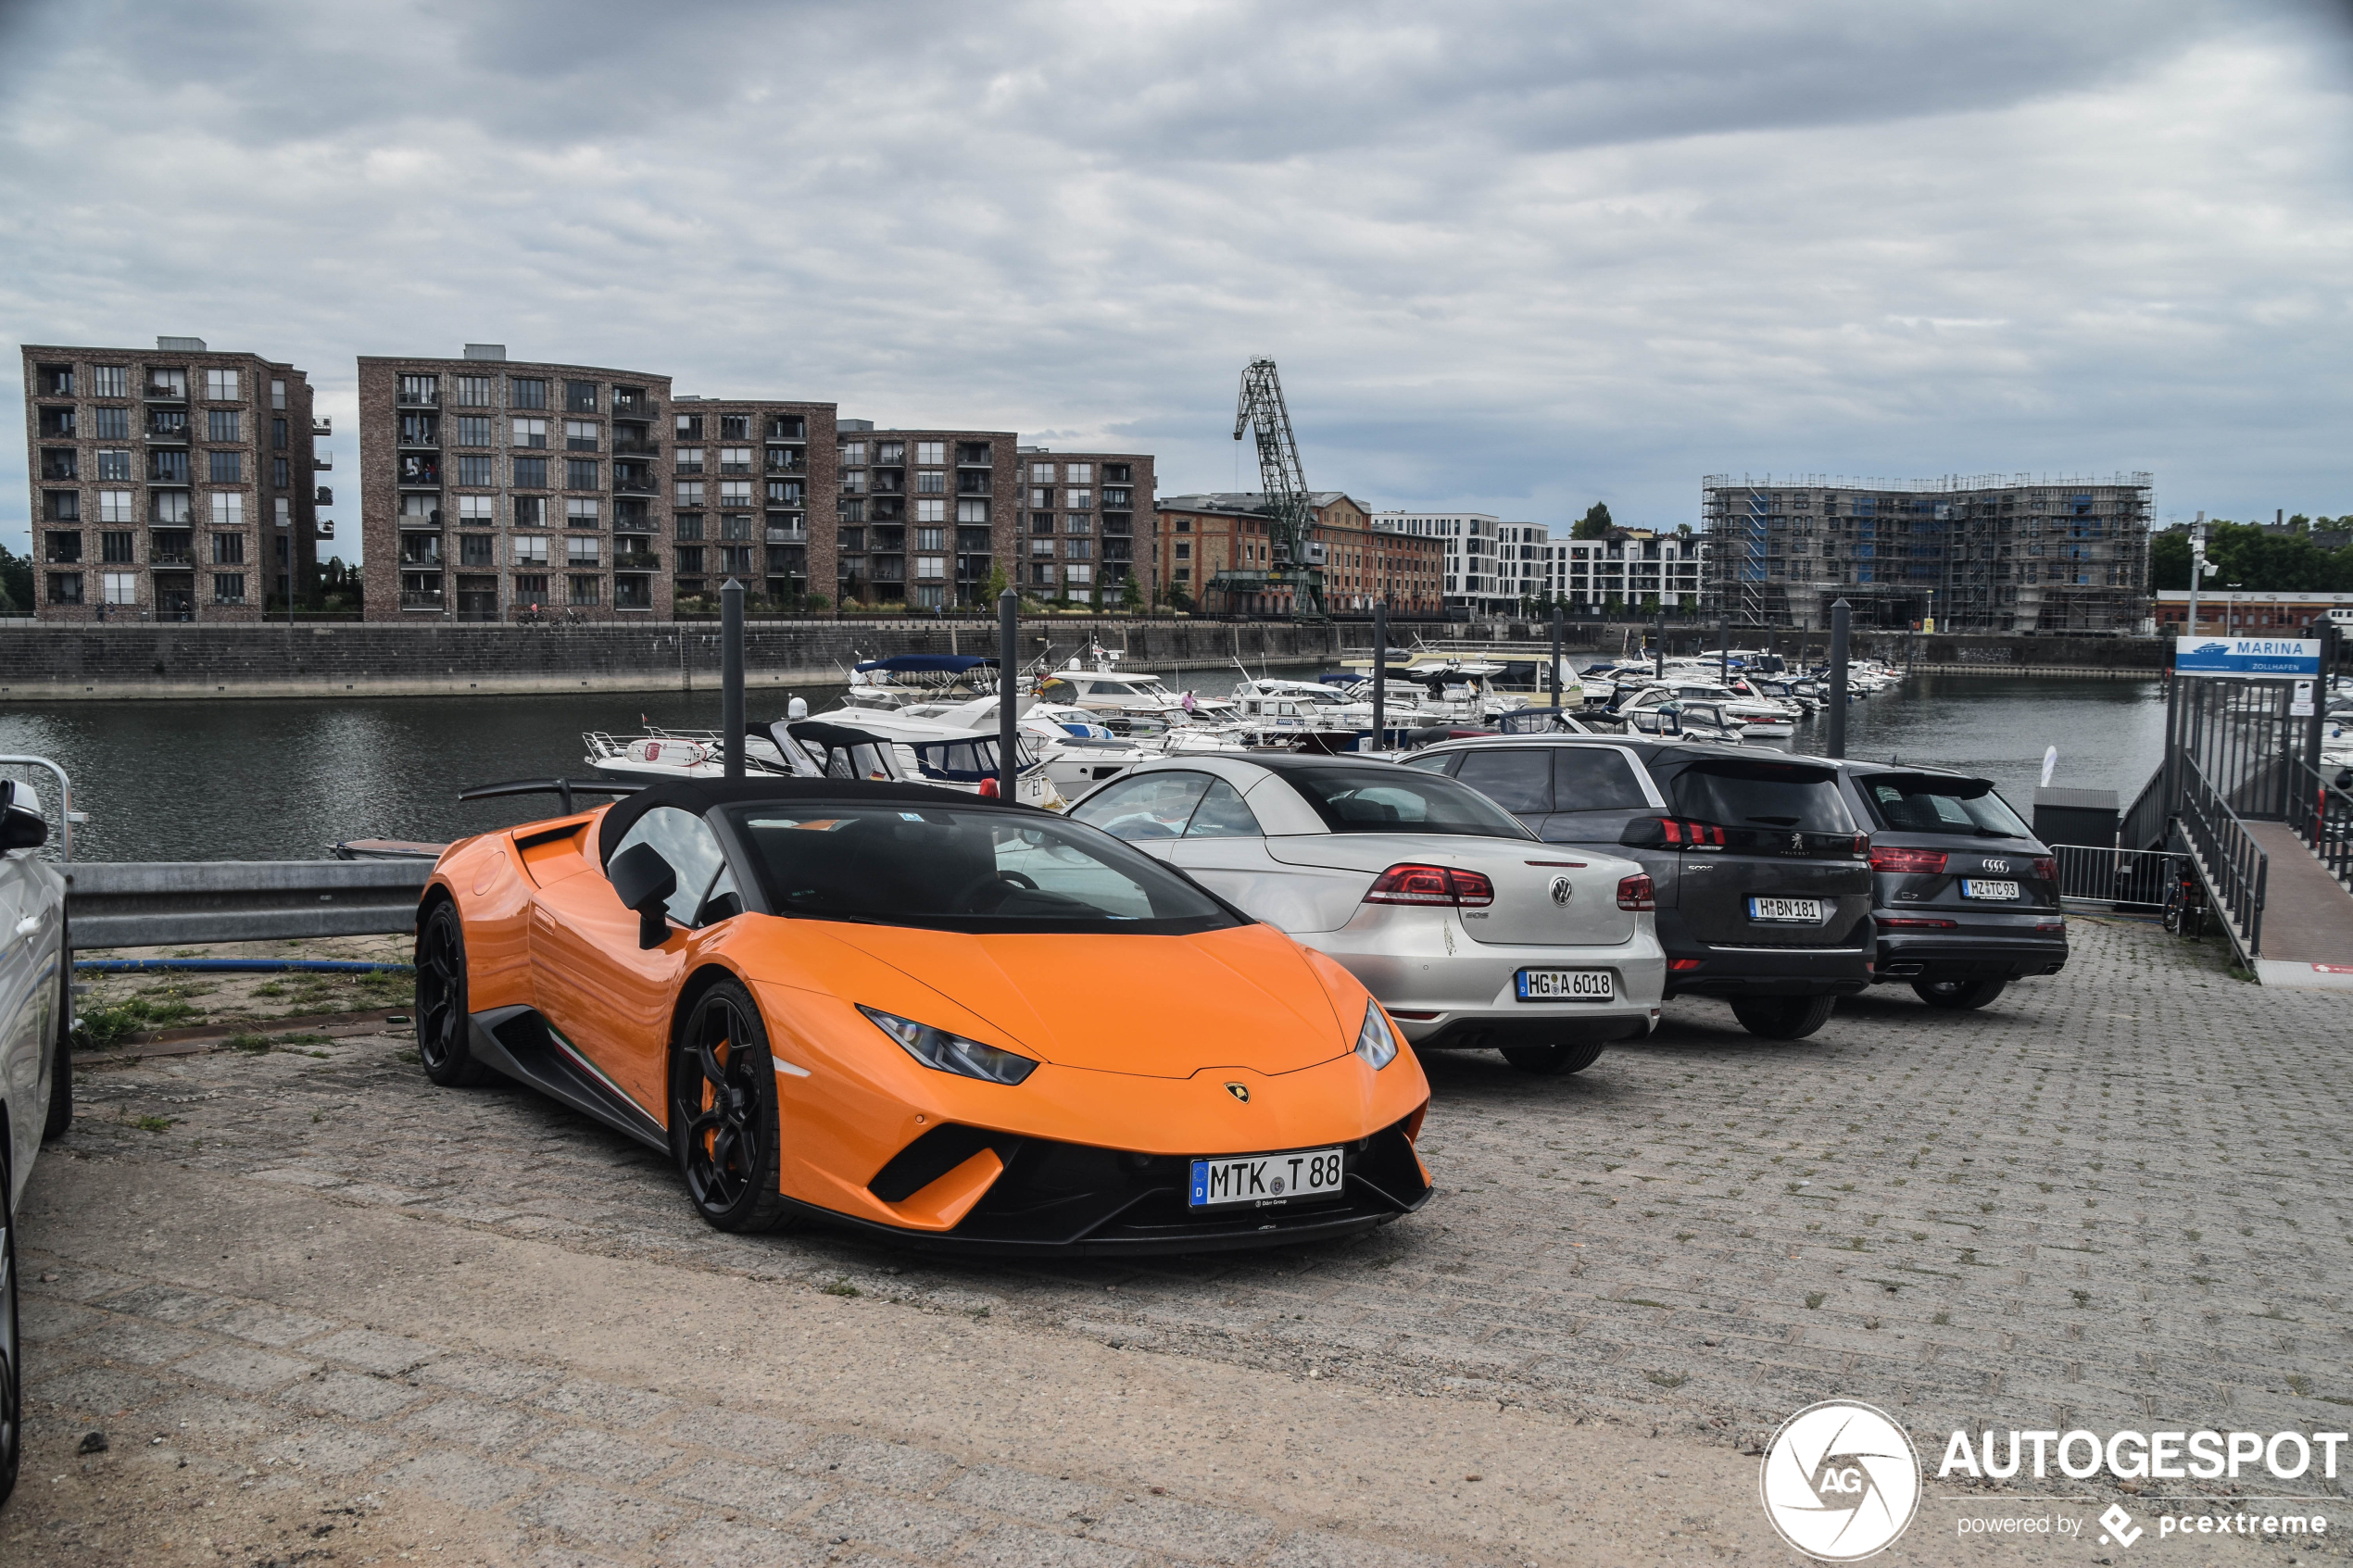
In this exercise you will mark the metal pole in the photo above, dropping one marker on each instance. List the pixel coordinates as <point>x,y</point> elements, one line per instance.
<point>731,675</point>
<point>1836,743</point>
<point>1724,647</point>
<point>1557,656</point>
<point>2172,785</point>
<point>1380,674</point>
<point>2197,570</point>
<point>1007,698</point>
<point>1658,648</point>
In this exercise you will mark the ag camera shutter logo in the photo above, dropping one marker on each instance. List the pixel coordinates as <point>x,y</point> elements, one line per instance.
<point>1841,1481</point>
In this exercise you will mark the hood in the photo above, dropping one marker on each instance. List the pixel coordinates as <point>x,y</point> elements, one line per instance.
<point>1161,1007</point>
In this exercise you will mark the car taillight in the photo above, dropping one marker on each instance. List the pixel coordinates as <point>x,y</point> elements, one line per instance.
<point>1637,893</point>
<point>1431,884</point>
<point>2046,867</point>
<point>1675,831</point>
<point>1907,862</point>
<point>1914,924</point>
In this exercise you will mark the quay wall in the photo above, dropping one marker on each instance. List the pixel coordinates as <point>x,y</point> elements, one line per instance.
<point>147,661</point>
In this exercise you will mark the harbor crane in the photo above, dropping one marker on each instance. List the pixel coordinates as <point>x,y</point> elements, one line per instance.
<point>1295,557</point>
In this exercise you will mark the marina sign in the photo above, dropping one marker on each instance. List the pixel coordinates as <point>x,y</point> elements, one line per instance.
<point>2246,656</point>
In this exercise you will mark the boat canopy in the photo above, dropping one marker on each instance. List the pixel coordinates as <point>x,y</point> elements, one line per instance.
<point>929,664</point>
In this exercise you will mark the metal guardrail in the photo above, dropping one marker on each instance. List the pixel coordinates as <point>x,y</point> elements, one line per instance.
<point>66,815</point>
<point>2118,879</point>
<point>161,903</point>
<point>2321,815</point>
<point>2146,821</point>
<point>2235,867</point>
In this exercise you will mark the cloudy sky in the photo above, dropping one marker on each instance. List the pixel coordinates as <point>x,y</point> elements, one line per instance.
<point>1514,257</point>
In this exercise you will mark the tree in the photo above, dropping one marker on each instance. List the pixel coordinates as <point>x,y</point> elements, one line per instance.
<point>1650,605</point>
<point>995,588</point>
<point>15,583</point>
<point>1594,524</point>
<point>1613,606</point>
<point>1131,594</point>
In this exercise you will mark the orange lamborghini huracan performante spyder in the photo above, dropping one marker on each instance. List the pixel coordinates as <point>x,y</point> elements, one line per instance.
<point>922,1013</point>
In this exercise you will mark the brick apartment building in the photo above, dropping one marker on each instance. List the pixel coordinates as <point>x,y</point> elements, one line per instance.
<point>922,515</point>
<point>1197,538</point>
<point>172,485</point>
<point>488,486</point>
<point>1078,538</point>
<point>745,475</point>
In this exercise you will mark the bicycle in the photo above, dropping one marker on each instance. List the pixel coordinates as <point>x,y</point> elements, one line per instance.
<point>2185,907</point>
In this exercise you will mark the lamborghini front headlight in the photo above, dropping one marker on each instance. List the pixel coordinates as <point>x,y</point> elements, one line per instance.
<point>1375,1043</point>
<point>947,1052</point>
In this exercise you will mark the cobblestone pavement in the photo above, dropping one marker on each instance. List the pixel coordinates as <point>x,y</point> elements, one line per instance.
<point>2111,1199</point>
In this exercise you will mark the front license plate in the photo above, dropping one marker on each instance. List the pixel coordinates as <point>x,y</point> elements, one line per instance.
<point>1988,889</point>
<point>1566,985</point>
<point>1806,912</point>
<point>1264,1178</point>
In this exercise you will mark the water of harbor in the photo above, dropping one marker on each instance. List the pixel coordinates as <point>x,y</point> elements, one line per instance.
<point>268,780</point>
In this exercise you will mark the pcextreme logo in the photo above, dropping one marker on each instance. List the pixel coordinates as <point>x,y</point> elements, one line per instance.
<point>1841,1481</point>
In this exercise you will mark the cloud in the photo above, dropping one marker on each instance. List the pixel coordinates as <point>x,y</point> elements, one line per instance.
<point>1511,257</point>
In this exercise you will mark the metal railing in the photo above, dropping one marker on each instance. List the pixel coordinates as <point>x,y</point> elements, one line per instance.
<point>2321,815</point>
<point>66,815</point>
<point>159,903</point>
<point>2145,822</point>
<point>2236,867</point>
<point>2117,879</point>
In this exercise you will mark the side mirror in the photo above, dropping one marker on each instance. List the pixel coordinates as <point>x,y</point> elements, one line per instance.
<point>644,882</point>
<point>22,829</point>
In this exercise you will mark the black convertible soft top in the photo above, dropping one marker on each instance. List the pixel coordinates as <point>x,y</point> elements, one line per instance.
<point>699,796</point>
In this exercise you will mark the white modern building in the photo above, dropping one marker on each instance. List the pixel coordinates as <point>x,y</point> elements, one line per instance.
<point>1632,567</point>
<point>1490,564</point>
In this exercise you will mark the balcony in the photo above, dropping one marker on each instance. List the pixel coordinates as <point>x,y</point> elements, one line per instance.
<point>322,427</point>
<point>782,461</point>
<point>787,536</point>
<point>171,437</point>
<point>326,529</point>
<point>634,485</point>
<point>160,558</point>
<point>164,392</point>
<point>323,497</point>
<point>412,397</point>
<point>326,460</point>
<point>635,446</point>
<point>637,561</point>
<point>626,407</point>
<point>421,598</point>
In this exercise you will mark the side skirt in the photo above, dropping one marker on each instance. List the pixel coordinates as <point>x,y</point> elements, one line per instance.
<point>518,1043</point>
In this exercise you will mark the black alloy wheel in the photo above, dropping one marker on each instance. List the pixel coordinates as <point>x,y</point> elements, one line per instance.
<point>724,1118</point>
<point>1784,1018</point>
<point>1552,1061</point>
<point>11,1342</point>
<point>60,1115</point>
<point>443,1042</point>
<point>1959,996</point>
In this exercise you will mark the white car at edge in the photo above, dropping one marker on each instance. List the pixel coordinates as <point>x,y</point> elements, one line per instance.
<point>1473,932</point>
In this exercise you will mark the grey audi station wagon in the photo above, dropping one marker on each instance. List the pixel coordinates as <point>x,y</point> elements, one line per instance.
<point>1764,885</point>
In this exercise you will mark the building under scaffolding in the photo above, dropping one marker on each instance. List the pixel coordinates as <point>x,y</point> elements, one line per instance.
<point>1978,553</point>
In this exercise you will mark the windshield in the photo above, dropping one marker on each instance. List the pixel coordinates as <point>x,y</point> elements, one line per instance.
<point>1916,803</point>
<point>1760,794</point>
<point>893,863</point>
<point>1400,800</point>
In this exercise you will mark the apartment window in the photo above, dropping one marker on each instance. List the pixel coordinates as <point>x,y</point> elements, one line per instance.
<point>1079,576</point>
<point>786,493</point>
<point>581,551</point>
<point>531,549</point>
<point>890,451</point>
<point>580,396</point>
<point>973,541</point>
<point>167,380</point>
<point>734,427</point>
<point>1118,473</point>
<point>57,422</point>
<point>277,435</point>
<point>931,511</point>
<point>64,548</point>
<point>787,427</point>
<point>931,538</point>
<point>853,454</point>
<point>228,549</point>
<point>689,493</point>
<point>228,587</point>
<point>931,482</point>
<point>531,474</point>
<point>223,424</point>
<point>972,511</point>
<point>580,512</point>
<point>1042,546</point>
<point>689,459</point>
<point>475,511</point>
<point>1041,523</point>
<point>1078,549</point>
<point>586,591</point>
<point>853,482</point>
<point>1184,552</point>
<point>931,568</point>
<point>1042,473</point>
<point>473,429</point>
<point>527,392</point>
<point>118,587</point>
<point>690,559</point>
<point>580,473</point>
<point>531,588</point>
<point>1078,497</point>
<point>61,506</point>
<point>228,511</point>
<point>530,434</point>
<point>735,493</point>
<point>224,468</point>
<point>110,381</point>
<point>65,587</point>
<point>1117,497</point>
<point>281,476</point>
<point>60,463</point>
<point>1041,498</point>
<point>220,386</point>
<point>115,506</point>
<point>111,424</point>
<point>1078,473</point>
<point>277,392</point>
<point>472,391</point>
<point>1079,523</point>
<point>424,391</point>
<point>1041,574</point>
<point>735,459</point>
<point>476,470</point>
<point>735,525</point>
<point>115,548</point>
<point>849,511</point>
<point>170,505</point>
<point>690,525</point>
<point>688,427</point>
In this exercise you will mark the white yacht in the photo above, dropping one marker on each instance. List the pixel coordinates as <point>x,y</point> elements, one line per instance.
<point>908,679</point>
<point>1755,718</point>
<point>845,744</point>
<point>1128,701</point>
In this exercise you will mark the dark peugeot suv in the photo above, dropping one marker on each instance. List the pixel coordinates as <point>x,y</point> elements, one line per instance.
<point>1966,897</point>
<point>1763,895</point>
